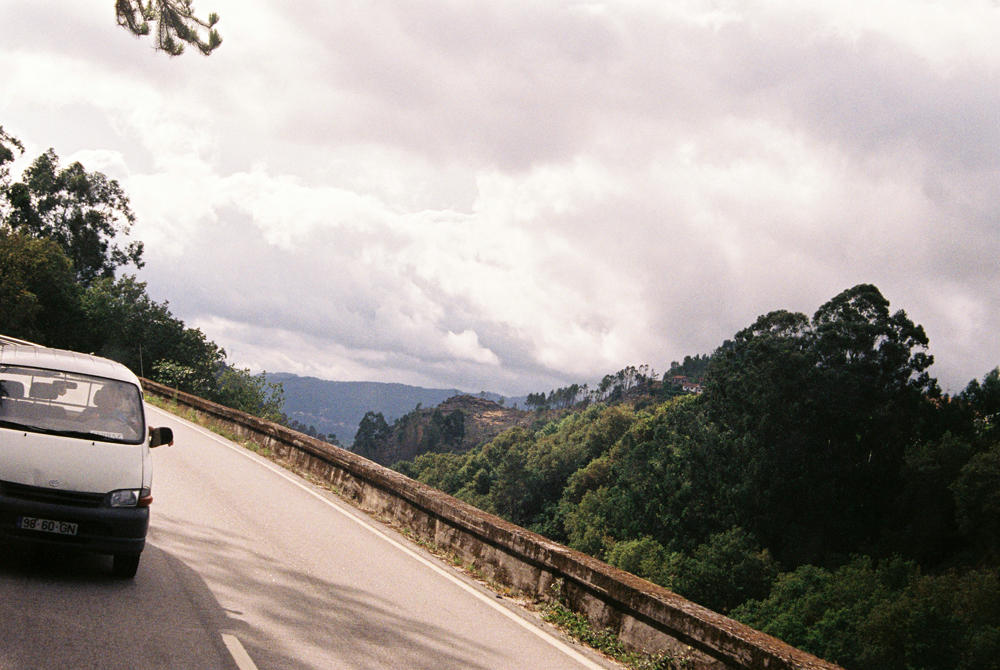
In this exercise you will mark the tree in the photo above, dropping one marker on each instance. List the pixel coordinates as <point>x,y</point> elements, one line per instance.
<point>8,143</point>
<point>81,211</point>
<point>984,400</point>
<point>373,435</point>
<point>830,406</point>
<point>252,394</point>
<point>669,475</point>
<point>691,367</point>
<point>536,400</point>
<point>821,611</point>
<point>873,366</point>
<point>885,615</point>
<point>181,377</point>
<point>977,500</point>
<point>443,432</point>
<point>39,297</point>
<point>176,24</point>
<point>724,572</point>
<point>125,324</point>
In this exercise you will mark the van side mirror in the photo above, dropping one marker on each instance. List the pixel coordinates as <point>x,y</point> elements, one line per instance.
<point>160,436</point>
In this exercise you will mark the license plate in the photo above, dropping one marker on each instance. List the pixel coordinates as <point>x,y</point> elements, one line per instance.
<point>46,525</point>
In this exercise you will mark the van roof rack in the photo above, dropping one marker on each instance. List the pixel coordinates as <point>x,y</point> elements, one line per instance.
<point>6,339</point>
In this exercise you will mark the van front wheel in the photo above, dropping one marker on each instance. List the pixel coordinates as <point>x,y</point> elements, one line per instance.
<point>125,565</point>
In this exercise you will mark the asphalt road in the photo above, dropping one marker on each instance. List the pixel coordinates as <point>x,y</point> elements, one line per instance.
<point>247,566</point>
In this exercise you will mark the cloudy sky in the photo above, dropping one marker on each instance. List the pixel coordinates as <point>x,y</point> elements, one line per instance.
<point>514,195</point>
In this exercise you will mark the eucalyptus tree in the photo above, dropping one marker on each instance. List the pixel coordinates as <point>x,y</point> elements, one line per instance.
<point>372,436</point>
<point>83,212</point>
<point>8,143</point>
<point>831,406</point>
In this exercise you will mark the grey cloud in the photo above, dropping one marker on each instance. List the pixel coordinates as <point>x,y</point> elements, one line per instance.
<point>679,180</point>
<point>871,94</point>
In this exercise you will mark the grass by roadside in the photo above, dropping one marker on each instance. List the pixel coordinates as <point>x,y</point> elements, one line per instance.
<point>579,627</point>
<point>191,415</point>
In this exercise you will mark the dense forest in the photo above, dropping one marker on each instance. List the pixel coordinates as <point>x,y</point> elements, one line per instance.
<point>61,286</point>
<point>819,487</point>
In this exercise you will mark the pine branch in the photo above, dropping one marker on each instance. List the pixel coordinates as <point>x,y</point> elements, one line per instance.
<point>176,24</point>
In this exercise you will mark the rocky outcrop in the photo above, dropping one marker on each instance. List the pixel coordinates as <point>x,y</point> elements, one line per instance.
<point>458,424</point>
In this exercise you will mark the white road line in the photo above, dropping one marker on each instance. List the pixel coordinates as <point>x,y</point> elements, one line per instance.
<point>534,630</point>
<point>240,655</point>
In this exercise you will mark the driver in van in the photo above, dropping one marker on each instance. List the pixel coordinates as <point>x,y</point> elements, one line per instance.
<point>110,412</point>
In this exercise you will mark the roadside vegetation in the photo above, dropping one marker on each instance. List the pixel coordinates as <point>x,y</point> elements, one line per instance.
<point>816,485</point>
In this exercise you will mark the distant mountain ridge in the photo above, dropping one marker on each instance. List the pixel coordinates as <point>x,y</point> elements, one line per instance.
<point>338,407</point>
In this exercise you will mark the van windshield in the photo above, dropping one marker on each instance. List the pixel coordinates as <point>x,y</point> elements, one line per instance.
<point>64,403</point>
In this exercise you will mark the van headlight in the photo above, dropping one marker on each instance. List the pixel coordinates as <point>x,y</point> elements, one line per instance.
<point>129,498</point>
<point>123,498</point>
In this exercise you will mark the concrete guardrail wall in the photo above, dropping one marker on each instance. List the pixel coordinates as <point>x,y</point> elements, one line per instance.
<point>646,617</point>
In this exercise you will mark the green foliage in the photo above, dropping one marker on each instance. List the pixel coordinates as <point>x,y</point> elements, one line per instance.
<point>821,611</point>
<point>39,296</point>
<point>578,626</point>
<point>983,399</point>
<point>442,471</point>
<point>514,492</point>
<point>589,522</point>
<point>232,387</point>
<point>126,325</point>
<point>926,527</point>
<point>644,558</point>
<point>176,24</point>
<point>694,367</point>
<point>444,431</point>
<point>562,398</point>
<point>8,145</point>
<point>828,408</point>
<point>724,572</point>
<point>249,393</point>
<point>535,401</point>
<point>521,474</point>
<point>977,500</point>
<point>181,377</point>
<point>528,471</point>
<point>937,622</point>
<point>668,477</point>
<point>83,212</point>
<point>309,430</point>
<point>631,381</point>
<point>372,436</point>
<point>885,616</point>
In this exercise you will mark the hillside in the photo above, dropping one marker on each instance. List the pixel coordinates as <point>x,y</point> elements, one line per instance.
<point>464,422</point>
<point>338,407</point>
<point>818,486</point>
<point>457,425</point>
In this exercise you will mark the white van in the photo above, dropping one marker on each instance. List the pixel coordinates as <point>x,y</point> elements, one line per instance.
<point>75,468</point>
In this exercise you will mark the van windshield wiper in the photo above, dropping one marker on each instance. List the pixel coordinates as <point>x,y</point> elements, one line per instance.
<point>6,423</point>
<point>80,434</point>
